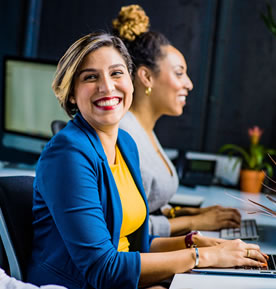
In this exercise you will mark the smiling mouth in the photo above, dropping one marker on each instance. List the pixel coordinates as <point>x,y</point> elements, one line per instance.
<point>108,103</point>
<point>182,98</point>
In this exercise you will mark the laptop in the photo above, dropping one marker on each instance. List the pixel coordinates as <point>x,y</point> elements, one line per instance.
<point>247,231</point>
<point>270,271</point>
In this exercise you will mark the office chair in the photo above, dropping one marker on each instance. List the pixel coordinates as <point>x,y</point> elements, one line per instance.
<point>16,195</point>
<point>57,125</point>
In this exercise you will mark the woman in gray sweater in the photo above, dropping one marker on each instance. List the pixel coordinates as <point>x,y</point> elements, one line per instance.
<point>161,86</point>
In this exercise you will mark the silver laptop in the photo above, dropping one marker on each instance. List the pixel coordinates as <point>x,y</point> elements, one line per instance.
<point>247,231</point>
<point>270,271</point>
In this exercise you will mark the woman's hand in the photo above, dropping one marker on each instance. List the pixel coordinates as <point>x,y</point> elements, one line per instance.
<point>201,241</point>
<point>232,253</point>
<point>215,218</point>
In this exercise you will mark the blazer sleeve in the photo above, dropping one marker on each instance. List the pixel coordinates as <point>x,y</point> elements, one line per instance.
<point>68,182</point>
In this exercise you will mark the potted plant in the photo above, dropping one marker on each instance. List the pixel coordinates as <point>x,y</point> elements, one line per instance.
<point>254,161</point>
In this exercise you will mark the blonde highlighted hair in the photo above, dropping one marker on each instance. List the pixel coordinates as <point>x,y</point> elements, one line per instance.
<point>63,83</point>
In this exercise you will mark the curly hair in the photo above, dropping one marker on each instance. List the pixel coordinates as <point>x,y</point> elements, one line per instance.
<point>131,22</point>
<point>63,83</point>
<point>144,46</point>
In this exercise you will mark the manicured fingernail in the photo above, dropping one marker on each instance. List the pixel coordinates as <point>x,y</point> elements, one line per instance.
<point>264,264</point>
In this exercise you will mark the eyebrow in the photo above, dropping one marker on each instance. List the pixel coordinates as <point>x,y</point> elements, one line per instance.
<point>180,66</point>
<point>95,70</point>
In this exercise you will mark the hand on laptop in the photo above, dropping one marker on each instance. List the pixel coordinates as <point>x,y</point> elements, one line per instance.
<point>215,218</point>
<point>232,253</point>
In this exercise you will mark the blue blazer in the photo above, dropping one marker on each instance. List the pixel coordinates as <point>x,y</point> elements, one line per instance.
<point>78,215</point>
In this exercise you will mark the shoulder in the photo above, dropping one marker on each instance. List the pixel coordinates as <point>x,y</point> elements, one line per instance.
<point>71,146</point>
<point>68,139</point>
<point>128,122</point>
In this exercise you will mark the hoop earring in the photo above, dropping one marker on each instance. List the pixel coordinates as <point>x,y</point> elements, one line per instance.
<point>148,91</point>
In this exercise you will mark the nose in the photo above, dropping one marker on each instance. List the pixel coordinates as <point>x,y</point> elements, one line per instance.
<point>106,84</point>
<point>188,83</point>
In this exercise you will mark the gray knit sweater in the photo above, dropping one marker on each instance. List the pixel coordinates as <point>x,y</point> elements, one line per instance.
<point>158,183</point>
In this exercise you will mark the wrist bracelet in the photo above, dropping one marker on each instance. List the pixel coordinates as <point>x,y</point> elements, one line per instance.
<point>172,212</point>
<point>189,239</point>
<point>197,257</point>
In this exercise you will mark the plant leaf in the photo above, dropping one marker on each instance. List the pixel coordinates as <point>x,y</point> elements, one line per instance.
<point>239,150</point>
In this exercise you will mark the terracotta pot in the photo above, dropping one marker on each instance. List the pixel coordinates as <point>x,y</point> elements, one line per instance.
<point>251,181</point>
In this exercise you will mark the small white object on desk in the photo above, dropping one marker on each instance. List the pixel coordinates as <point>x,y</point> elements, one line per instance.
<point>186,200</point>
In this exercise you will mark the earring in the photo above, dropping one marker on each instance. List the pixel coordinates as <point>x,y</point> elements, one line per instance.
<point>148,91</point>
<point>72,99</point>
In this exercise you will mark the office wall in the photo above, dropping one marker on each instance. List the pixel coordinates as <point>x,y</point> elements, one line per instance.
<point>188,24</point>
<point>230,54</point>
<point>243,87</point>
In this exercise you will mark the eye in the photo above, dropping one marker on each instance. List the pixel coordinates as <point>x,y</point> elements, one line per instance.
<point>117,73</point>
<point>90,77</point>
<point>179,73</point>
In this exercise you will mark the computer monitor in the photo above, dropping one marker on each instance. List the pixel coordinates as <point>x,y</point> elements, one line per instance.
<point>28,107</point>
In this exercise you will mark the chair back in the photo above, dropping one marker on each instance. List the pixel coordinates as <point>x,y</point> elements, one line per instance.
<point>16,195</point>
<point>57,125</point>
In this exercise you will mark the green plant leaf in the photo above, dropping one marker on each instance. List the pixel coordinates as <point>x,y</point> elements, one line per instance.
<point>268,19</point>
<point>269,14</point>
<point>234,148</point>
<point>269,169</point>
<point>271,152</point>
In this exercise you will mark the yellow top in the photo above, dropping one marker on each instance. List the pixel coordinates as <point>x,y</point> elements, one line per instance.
<point>133,205</point>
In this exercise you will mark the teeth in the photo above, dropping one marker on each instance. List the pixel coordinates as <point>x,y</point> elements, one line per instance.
<point>182,98</point>
<point>110,102</point>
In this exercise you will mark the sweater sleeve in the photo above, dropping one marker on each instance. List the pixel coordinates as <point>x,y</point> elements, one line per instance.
<point>159,225</point>
<point>68,180</point>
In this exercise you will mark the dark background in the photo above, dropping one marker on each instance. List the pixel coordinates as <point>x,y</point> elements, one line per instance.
<point>231,58</point>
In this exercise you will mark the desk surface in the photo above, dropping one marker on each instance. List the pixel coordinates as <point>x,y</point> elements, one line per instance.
<point>267,228</point>
<point>204,281</point>
<point>5,172</point>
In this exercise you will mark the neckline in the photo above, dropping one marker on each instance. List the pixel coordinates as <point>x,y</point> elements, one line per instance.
<point>160,154</point>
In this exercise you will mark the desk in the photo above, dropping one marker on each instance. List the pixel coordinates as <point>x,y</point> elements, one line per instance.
<point>202,281</point>
<point>267,228</point>
<point>5,172</point>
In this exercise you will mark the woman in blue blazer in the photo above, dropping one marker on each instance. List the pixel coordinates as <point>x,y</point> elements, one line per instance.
<point>78,209</point>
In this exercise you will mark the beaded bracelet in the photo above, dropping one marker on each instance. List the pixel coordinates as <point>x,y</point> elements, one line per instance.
<point>172,212</point>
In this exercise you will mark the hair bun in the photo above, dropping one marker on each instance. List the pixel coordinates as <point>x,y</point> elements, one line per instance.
<point>131,22</point>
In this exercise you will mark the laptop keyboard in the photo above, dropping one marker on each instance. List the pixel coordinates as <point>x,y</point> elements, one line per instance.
<point>247,231</point>
<point>271,265</point>
<point>271,262</point>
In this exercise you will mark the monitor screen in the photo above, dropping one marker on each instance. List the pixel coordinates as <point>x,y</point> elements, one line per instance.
<point>29,104</point>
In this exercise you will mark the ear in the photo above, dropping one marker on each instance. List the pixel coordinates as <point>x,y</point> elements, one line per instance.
<point>145,75</point>
<point>72,99</point>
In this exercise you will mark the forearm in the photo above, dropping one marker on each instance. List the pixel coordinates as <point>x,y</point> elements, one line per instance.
<point>186,211</point>
<point>156,267</point>
<point>167,244</point>
<point>182,225</point>
<point>159,266</point>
